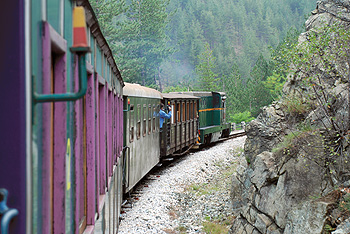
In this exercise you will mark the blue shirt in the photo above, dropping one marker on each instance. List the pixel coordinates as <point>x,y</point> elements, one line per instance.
<point>162,116</point>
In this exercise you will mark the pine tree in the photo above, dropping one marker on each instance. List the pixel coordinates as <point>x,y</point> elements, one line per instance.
<point>258,94</point>
<point>208,80</point>
<point>235,91</point>
<point>107,13</point>
<point>142,42</point>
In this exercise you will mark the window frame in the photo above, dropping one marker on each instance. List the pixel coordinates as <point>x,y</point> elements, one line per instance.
<point>144,122</point>
<point>149,119</point>
<point>131,123</point>
<point>138,122</point>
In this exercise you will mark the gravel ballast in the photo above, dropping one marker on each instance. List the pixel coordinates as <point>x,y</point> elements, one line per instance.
<point>183,196</point>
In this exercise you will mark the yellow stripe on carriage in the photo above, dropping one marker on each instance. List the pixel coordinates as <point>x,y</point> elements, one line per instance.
<point>211,109</point>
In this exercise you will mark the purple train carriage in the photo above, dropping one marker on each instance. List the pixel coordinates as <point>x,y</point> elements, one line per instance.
<point>62,121</point>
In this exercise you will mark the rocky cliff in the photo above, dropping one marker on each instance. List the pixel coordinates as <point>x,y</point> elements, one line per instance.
<point>296,171</point>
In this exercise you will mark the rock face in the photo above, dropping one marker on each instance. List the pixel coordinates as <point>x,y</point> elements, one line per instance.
<point>296,172</point>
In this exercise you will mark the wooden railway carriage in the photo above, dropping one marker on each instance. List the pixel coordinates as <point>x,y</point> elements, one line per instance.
<point>141,135</point>
<point>212,116</point>
<point>180,132</point>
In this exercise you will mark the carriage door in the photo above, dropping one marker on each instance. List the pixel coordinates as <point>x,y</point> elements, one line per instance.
<point>59,146</point>
<point>223,111</point>
<point>216,109</point>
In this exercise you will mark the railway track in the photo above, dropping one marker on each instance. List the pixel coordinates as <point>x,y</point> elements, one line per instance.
<point>166,199</point>
<point>235,134</point>
<point>156,172</point>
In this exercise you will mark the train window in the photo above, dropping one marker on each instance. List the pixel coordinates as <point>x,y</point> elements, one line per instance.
<point>191,111</point>
<point>131,123</point>
<point>154,117</point>
<point>188,111</point>
<point>183,112</point>
<point>138,124</point>
<point>178,113</point>
<point>195,110</point>
<point>149,118</point>
<point>172,115</point>
<point>144,120</point>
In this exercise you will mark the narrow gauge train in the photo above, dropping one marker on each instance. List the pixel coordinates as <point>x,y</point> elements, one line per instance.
<point>197,118</point>
<point>145,143</point>
<point>63,167</point>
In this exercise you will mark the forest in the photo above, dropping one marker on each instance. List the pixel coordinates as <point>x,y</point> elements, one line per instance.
<point>233,46</point>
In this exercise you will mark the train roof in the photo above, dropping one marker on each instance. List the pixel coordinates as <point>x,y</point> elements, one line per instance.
<point>178,96</point>
<point>199,93</point>
<point>93,24</point>
<point>136,90</point>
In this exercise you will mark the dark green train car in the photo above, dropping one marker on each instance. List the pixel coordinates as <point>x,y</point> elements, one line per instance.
<point>212,116</point>
<point>180,132</point>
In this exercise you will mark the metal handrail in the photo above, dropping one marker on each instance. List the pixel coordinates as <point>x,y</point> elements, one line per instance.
<point>6,213</point>
<point>63,97</point>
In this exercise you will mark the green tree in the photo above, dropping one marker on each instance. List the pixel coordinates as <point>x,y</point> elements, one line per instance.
<point>274,84</point>
<point>282,53</point>
<point>107,13</point>
<point>235,90</point>
<point>258,94</point>
<point>208,80</point>
<point>142,42</point>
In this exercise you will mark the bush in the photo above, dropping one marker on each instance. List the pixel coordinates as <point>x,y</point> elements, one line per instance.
<point>239,117</point>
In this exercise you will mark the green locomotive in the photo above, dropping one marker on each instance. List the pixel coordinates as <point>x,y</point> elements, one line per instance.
<point>212,116</point>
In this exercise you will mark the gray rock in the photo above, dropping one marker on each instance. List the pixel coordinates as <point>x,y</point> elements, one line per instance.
<point>272,194</point>
<point>309,217</point>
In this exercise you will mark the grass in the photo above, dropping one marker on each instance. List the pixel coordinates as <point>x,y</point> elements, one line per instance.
<point>345,204</point>
<point>218,226</point>
<point>214,228</point>
<point>296,106</point>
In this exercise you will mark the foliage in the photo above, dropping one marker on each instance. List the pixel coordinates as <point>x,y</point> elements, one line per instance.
<point>295,106</point>
<point>235,88</point>
<point>136,32</point>
<point>274,84</point>
<point>258,95</point>
<point>280,56</point>
<point>165,43</point>
<point>106,13</point>
<point>182,229</point>
<point>242,116</point>
<point>289,141</point>
<point>177,88</point>
<point>344,205</point>
<point>240,31</point>
<point>207,78</point>
<point>142,41</point>
<point>240,36</point>
<point>317,59</point>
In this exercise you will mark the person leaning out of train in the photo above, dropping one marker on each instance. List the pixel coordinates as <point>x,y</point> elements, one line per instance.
<point>163,115</point>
